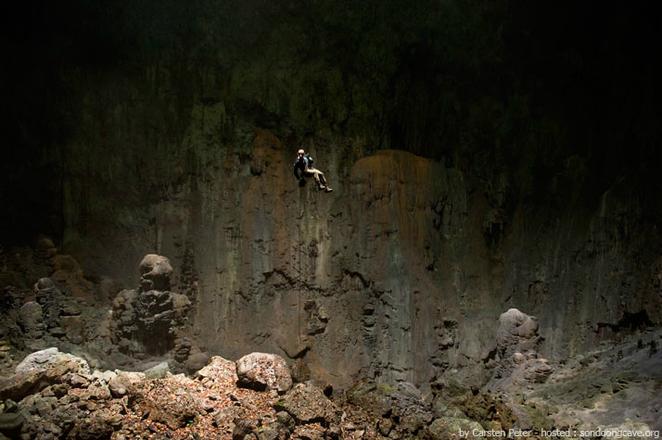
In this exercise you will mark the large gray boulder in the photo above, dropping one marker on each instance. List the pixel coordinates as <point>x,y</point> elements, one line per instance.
<point>158,371</point>
<point>155,271</point>
<point>45,359</point>
<point>40,370</point>
<point>264,371</point>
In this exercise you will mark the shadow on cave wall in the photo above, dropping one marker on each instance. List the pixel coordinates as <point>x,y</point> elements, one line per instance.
<point>560,99</point>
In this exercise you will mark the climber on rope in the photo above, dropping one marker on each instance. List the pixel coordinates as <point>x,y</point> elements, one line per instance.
<point>303,167</point>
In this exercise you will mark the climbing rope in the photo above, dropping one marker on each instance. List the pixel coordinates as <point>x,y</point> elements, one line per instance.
<point>299,268</point>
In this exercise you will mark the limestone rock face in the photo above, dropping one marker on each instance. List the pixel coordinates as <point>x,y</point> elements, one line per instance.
<point>503,199</point>
<point>410,257</point>
<point>264,371</point>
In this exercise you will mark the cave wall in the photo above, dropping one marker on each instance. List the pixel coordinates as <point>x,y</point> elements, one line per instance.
<point>480,161</point>
<point>400,273</point>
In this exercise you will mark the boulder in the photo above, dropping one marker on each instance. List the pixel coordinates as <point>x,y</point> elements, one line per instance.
<point>311,432</point>
<point>44,284</point>
<point>158,371</point>
<point>517,344</point>
<point>517,332</point>
<point>155,271</point>
<point>39,370</point>
<point>46,248</point>
<point>536,370</point>
<point>402,400</point>
<point>219,371</point>
<point>68,273</point>
<point>244,429</point>
<point>94,427</point>
<point>75,380</point>
<point>147,320</point>
<point>373,397</point>
<point>103,376</point>
<point>31,319</point>
<point>196,361</point>
<point>45,359</point>
<point>96,391</point>
<point>74,328</point>
<point>442,408</point>
<point>307,404</point>
<point>11,419</point>
<point>120,384</point>
<point>264,371</point>
<point>167,402</point>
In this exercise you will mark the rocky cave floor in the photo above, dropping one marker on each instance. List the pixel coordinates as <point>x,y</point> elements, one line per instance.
<point>102,382</point>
